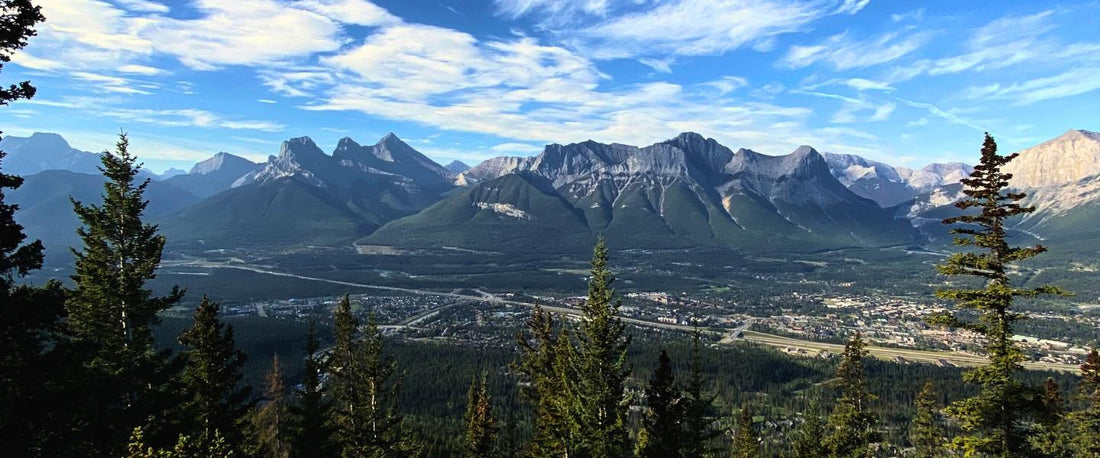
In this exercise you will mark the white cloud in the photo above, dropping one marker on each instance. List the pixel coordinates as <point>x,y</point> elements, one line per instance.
<point>943,114</point>
<point>189,118</point>
<point>844,53</point>
<point>115,84</point>
<point>553,12</point>
<point>728,84</point>
<point>145,6</point>
<point>1065,84</point>
<point>861,84</point>
<point>96,35</point>
<point>1005,42</point>
<point>268,101</point>
<point>244,32</point>
<point>358,12</point>
<point>140,70</point>
<point>697,27</point>
<point>854,110</point>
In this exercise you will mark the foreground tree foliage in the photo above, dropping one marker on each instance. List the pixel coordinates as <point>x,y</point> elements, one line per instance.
<point>544,355</point>
<point>365,390</point>
<point>271,423</point>
<point>311,413</point>
<point>660,434</point>
<point>601,368</point>
<point>31,368</point>
<point>852,427</point>
<point>925,433</point>
<point>999,420</point>
<point>698,430</point>
<point>806,441</point>
<point>746,443</point>
<point>1086,423</point>
<point>481,427</point>
<point>111,313</point>
<point>212,375</point>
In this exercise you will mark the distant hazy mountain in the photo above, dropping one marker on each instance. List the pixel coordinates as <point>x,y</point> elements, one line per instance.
<point>457,167</point>
<point>172,172</point>
<point>47,214</point>
<point>888,185</point>
<point>214,175</point>
<point>45,151</point>
<point>305,196</point>
<point>687,191</point>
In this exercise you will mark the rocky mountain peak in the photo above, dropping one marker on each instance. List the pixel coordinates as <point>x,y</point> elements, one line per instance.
<point>221,161</point>
<point>457,167</point>
<point>299,146</point>
<point>48,140</point>
<point>1065,159</point>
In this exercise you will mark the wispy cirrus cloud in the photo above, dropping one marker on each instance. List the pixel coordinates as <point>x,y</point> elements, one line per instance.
<point>702,27</point>
<point>843,52</point>
<point>1069,83</point>
<point>189,118</point>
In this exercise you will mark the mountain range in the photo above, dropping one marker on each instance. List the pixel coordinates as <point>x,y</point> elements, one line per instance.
<point>688,191</point>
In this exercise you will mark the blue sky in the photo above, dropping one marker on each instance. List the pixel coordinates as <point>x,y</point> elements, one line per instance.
<point>903,82</point>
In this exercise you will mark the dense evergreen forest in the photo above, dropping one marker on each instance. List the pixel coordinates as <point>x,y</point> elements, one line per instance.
<point>92,370</point>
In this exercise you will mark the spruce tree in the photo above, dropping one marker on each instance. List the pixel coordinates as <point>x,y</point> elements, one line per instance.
<point>998,420</point>
<point>807,439</point>
<point>697,432</point>
<point>217,403</point>
<point>544,362</point>
<point>852,427</point>
<point>746,444</point>
<point>661,423</point>
<point>312,414</point>
<point>365,390</point>
<point>271,423</point>
<point>111,313</point>
<point>601,367</point>
<point>481,428</point>
<point>924,432</point>
<point>1086,422</point>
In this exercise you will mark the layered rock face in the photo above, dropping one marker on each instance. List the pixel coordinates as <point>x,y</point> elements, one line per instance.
<point>1068,158</point>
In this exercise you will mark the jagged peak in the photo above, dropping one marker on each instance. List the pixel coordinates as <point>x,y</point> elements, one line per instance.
<point>805,150</point>
<point>298,145</point>
<point>346,141</point>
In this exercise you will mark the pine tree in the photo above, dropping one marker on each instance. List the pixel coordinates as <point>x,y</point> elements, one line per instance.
<point>111,313</point>
<point>365,391</point>
<point>1086,422</point>
<point>697,432</point>
<point>481,429</point>
<point>661,424</point>
<point>217,403</point>
<point>852,427</point>
<point>544,363</point>
<point>996,421</point>
<point>312,414</point>
<point>601,367</point>
<point>924,432</point>
<point>746,444</point>
<point>271,422</point>
<point>806,441</point>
